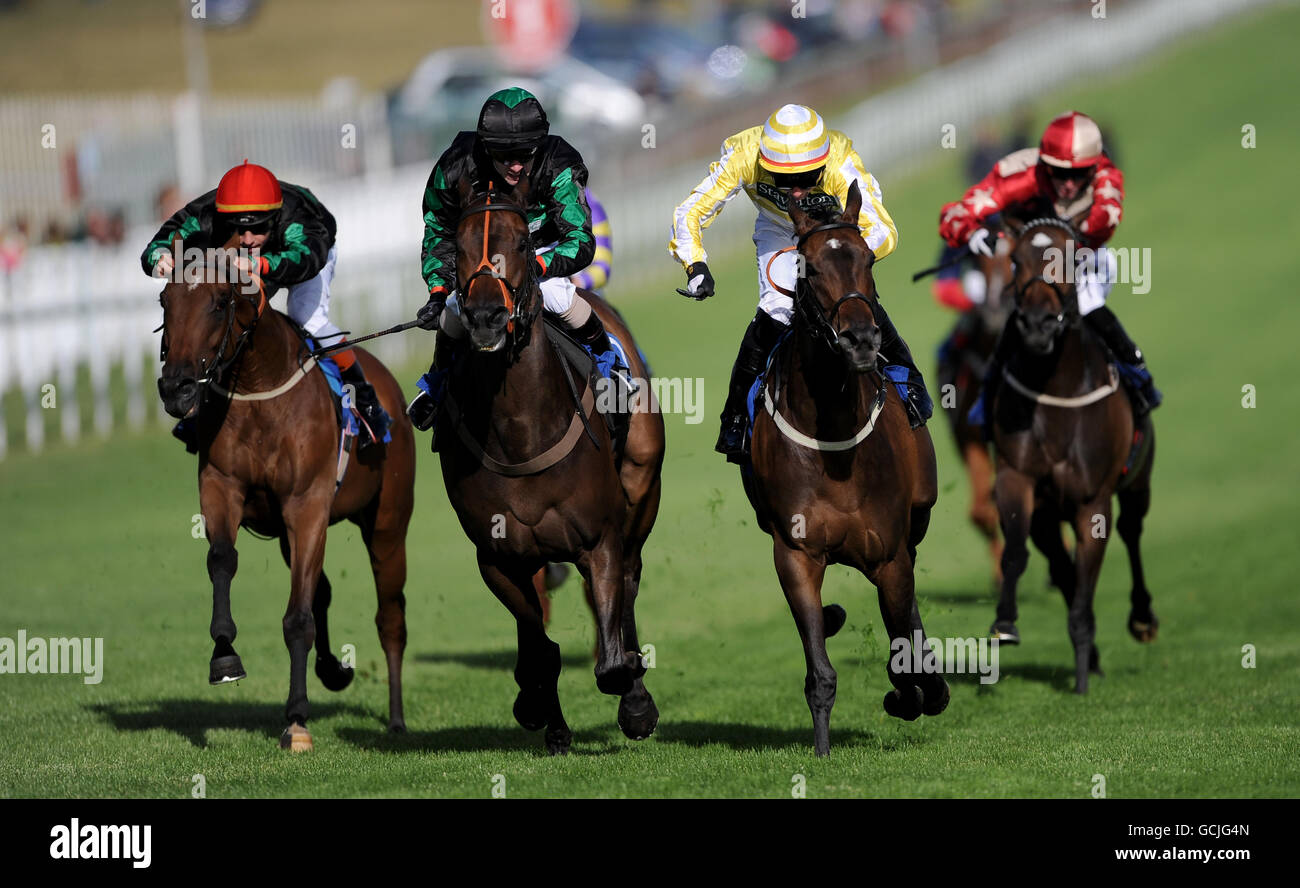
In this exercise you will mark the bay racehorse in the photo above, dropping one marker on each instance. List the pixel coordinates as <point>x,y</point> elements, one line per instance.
<point>838,476</point>
<point>533,477</point>
<point>962,363</point>
<point>1066,443</point>
<point>268,457</point>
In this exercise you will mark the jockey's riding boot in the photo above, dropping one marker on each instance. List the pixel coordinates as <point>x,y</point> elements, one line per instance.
<point>423,410</point>
<point>910,384</point>
<point>367,404</point>
<point>187,432</point>
<point>760,338</point>
<point>980,413</point>
<point>1145,396</point>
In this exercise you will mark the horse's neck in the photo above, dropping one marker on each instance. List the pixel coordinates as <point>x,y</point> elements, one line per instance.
<point>269,357</point>
<point>818,389</point>
<point>523,406</point>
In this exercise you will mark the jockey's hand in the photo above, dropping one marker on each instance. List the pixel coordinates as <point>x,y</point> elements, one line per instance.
<point>699,283</point>
<point>164,266</point>
<point>978,243</point>
<point>430,314</point>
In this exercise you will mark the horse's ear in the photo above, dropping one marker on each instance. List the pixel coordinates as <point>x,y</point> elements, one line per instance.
<point>521,191</point>
<point>232,242</point>
<point>852,203</point>
<point>1079,218</point>
<point>800,219</point>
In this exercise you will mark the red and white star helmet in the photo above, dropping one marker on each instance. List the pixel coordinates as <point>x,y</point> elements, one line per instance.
<point>1071,141</point>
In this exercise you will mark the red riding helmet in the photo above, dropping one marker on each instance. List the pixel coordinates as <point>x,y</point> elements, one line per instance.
<point>1071,141</point>
<point>248,194</point>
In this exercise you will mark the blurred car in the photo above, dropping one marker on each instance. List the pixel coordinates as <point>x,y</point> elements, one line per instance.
<point>659,60</point>
<point>447,89</point>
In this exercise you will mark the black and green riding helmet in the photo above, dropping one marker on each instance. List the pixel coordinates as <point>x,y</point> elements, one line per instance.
<point>512,119</point>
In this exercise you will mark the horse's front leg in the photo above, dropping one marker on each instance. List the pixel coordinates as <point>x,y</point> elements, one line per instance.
<point>1091,527</point>
<point>602,568</point>
<point>1014,492</point>
<point>306,520</point>
<point>221,502</point>
<point>801,581</point>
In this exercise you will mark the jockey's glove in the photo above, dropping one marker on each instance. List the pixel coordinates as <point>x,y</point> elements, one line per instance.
<point>430,314</point>
<point>978,243</point>
<point>699,283</point>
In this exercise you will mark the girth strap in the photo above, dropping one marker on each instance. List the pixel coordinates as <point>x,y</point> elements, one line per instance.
<point>539,463</point>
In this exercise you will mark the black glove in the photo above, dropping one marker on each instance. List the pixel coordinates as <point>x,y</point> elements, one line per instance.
<point>431,312</point>
<point>699,283</point>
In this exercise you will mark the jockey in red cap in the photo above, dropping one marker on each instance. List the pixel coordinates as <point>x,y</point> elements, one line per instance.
<point>1068,176</point>
<point>289,237</point>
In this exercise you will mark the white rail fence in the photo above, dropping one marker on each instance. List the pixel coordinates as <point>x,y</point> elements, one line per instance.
<point>66,308</point>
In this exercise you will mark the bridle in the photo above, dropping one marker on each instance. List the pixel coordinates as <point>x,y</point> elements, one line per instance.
<point>1069,310</point>
<point>821,324</point>
<point>215,367</point>
<point>510,295</point>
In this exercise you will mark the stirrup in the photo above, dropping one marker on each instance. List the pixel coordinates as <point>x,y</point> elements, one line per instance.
<point>731,438</point>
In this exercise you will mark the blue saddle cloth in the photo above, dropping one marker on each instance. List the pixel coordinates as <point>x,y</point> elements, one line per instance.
<point>349,419</point>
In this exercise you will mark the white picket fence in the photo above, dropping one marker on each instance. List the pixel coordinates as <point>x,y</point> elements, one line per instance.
<point>82,306</point>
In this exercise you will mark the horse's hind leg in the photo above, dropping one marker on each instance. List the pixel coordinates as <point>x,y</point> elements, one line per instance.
<point>332,673</point>
<point>1045,528</point>
<point>384,533</point>
<point>801,580</point>
<point>637,714</point>
<point>537,670</point>
<point>222,506</point>
<point>983,511</point>
<point>1133,506</point>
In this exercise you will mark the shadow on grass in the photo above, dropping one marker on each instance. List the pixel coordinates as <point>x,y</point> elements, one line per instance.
<point>473,738</point>
<point>192,719</point>
<point>500,660</point>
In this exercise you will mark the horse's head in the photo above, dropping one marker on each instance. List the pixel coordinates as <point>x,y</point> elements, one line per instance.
<point>832,296</point>
<point>207,316</point>
<point>1045,296</point>
<point>495,269</point>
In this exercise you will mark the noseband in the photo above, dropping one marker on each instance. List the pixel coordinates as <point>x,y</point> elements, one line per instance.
<point>509,294</point>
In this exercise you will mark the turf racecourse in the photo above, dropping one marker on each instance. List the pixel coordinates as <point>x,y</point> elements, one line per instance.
<point>96,542</point>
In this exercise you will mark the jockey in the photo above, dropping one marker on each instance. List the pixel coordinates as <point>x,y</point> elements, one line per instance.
<point>595,276</point>
<point>1069,174</point>
<point>290,237</point>
<point>792,150</point>
<point>512,142</point>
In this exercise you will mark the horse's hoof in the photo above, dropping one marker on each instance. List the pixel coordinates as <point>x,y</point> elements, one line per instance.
<point>1005,632</point>
<point>530,710</point>
<point>225,669</point>
<point>555,575</point>
<point>637,721</point>
<point>334,674</point>
<point>833,617</point>
<point>296,738</point>
<point>558,742</point>
<point>397,727</point>
<point>1094,662</point>
<point>906,705</point>
<point>1143,631</point>
<point>936,703</point>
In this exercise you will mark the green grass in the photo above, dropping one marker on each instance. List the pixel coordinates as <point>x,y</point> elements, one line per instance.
<point>96,542</point>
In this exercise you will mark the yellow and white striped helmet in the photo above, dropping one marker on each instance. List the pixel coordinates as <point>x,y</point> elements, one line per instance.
<point>794,141</point>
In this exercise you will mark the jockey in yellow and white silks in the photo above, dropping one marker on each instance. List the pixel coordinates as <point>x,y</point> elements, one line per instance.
<point>793,149</point>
